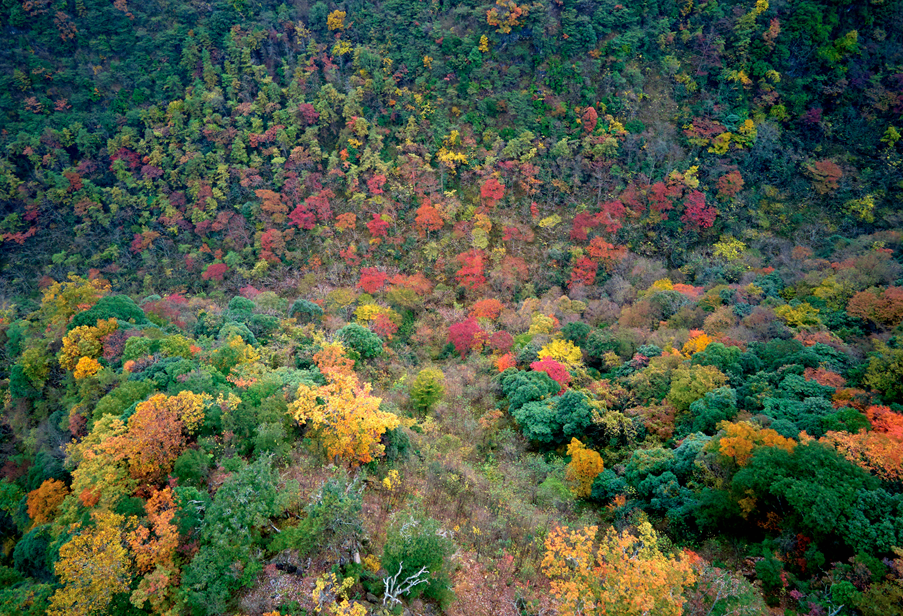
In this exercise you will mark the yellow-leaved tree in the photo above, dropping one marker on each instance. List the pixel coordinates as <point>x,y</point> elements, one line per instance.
<point>83,342</point>
<point>345,417</point>
<point>627,574</point>
<point>61,300</point>
<point>584,467</point>
<point>93,566</point>
<point>99,478</point>
<point>562,351</point>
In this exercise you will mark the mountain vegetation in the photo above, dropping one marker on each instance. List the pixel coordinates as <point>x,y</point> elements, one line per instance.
<point>453,307</point>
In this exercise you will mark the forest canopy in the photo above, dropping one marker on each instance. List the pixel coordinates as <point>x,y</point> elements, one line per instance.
<point>451,307</point>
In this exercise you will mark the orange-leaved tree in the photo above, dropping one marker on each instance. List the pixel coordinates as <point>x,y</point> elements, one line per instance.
<point>154,550</point>
<point>488,308</point>
<point>345,417</point>
<point>885,420</point>
<point>879,452</point>
<point>333,357</point>
<point>876,452</point>
<point>157,433</point>
<point>740,439</point>
<point>44,501</point>
<point>626,574</point>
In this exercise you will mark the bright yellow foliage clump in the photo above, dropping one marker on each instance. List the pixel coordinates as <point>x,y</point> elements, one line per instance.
<point>450,153</point>
<point>99,479</point>
<point>92,567</point>
<point>663,284</point>
<point>721,143</point>
<point>345,417</point>
<point>372,563</point>
<point>550,222</point>
<point>247,354</point>
<point>563,351</point>
<point>584,467</point>
<point>336,20</point>
<point>729,248</point>
<point>626,575</point>
<point>86,367</point>
<point>863,208</point>
<point>803,315</point>
<point>392,480</point>
<point>331,597</point>
<point>696,343</point>
<point>341,48</point>
<point>746,132</point>
<point>84,341</point>
<point>369,312</point>
<point>190,408</point>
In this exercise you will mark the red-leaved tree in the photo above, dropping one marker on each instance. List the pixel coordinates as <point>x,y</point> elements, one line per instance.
<point>372,280</point>
<point>556,370</point>
<point>215,271</point>
<point>472,274</point>
<point>491,192</point>
<point>467,336</point>
<point>697,213</point>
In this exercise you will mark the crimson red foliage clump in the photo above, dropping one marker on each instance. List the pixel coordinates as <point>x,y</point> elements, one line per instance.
<point>501,341</point>
<point>471,276</point>
<point>215,271</point>
<point>491,192</point>
<point>466,336</point>
<point>556,370</point>
<point>698,214</point>
<point>378,227</point>
<point>372,280</point>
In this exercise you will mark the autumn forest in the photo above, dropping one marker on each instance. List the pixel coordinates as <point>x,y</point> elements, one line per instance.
<point>463,307</point>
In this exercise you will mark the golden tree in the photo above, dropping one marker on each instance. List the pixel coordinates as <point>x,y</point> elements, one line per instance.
<point>584,467</point>
<point>627,574</point>
<point>84,341</point>
<point>92,567</point>
<point>99,478</point>
<point>86,367</point>
<point>345,417</point>
<point>562,351</point>
<point>61,300</point>
<point>336,20</point>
